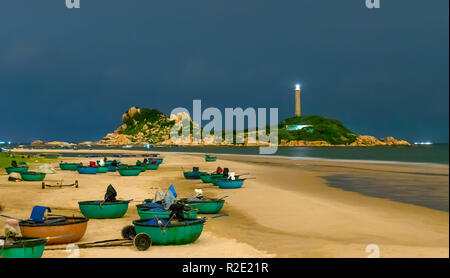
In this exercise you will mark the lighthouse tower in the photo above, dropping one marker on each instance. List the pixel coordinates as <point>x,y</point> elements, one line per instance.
<point>298,112</point>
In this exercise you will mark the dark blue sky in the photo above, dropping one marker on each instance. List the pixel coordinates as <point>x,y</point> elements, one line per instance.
<point>70,74</point>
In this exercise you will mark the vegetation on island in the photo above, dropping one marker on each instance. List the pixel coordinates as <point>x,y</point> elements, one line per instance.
<point>319,129</point>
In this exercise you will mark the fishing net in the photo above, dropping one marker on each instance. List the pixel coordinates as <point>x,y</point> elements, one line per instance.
<point>12,228</point>
<point>46,168</point>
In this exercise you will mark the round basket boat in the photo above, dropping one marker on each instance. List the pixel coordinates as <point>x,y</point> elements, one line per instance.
<point>102,169</point>
<point>207,178</point>
<point>205,206</point>
<point>10,170</point>
<point>112,168</point>
<point>32,176</point>
<point>193,175</point>
<point>101,210</point>
<point>87,170</point>
<point>210,159</point>
<point>23,248</point>
<point>170,234</point>
<point>143,167</point>
<point>129,172</point>
<point>152,166</point>
<point>151,213</point>
<point>229,184</point>
<point>69,166</point>
<point>72,227</point>
<point>122,166</point>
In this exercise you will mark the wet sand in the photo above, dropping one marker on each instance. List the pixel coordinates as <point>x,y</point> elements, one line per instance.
<point>287,211</point>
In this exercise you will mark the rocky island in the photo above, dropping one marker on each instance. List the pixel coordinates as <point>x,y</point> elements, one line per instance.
<point>141,126</point>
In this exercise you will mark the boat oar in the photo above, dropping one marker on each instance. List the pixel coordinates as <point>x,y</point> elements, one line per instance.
<point>223,197</point>
<point>217,216</point>
<point>10,217</point>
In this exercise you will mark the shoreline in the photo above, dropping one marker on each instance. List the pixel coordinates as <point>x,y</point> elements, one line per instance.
<point>287,211</point>
<point>299,158</point>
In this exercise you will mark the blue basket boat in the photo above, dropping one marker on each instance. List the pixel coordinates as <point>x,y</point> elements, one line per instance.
<point>229,184</point>
<point>87,170</point>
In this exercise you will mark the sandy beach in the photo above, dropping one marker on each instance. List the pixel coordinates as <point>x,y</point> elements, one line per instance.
<point>288,210</point>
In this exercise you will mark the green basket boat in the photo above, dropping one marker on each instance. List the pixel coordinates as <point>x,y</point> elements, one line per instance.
<point>148,213</point>
<point>23,247</point>
<point>205,206</point>
<point>32,176</point>
<point>69,166</point>
<point>208,177</point>
<point>102,170</point>
<point>171,234</point>
<point>122,166</point>
<point>127,172</point>
<point>100,210</point>
<point>210,159</point>
<point>143,168</point>
<point>10,170</point>
<point>193,175</point>
<point>152,166</point>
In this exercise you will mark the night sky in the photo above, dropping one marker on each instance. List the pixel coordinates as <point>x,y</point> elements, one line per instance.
<point>70,74</point>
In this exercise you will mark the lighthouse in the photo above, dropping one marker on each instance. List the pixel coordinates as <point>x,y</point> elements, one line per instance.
<point>298,112</point>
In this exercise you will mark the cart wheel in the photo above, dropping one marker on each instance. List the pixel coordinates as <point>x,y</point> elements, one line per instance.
<point>76,184</point>
<point>128,232</point>
<point>43,185</point>
<point>142,241</point>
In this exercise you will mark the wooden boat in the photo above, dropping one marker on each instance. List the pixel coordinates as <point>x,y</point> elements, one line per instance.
<point>152,166</point>
<point>193,175</point>
<point>32,176</point>
<point>170,233</point>
<point>207,178</point>
<point>129,172</point>
<point>10,170</point>
<point>69,166</point>
<point>102,169</point>
<point>210,158</point>
<point>205,205</point>
<point>229,184</point>
<point>100,209</point>
<point>87,170</point>
<point>71,227</point>
<point>22,247</point>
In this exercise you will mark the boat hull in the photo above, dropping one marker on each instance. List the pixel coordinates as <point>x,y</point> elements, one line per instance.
<point>193,175</point>
<point>73,226</point>
<point>31,248</point>
<point>102,170</point>
<point>87,170</point>
<point>10,170</point>
<point>69,166</point>
<point>171,235</point>
<point>209,178</point>
<point>129,172</point>
<point>229,184</point>
<point>152,166</point>
<point>148,214</point>
<point>30,176</point>
<point>206,207</point>
<point>93,209</point>
<point>210,159</point>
